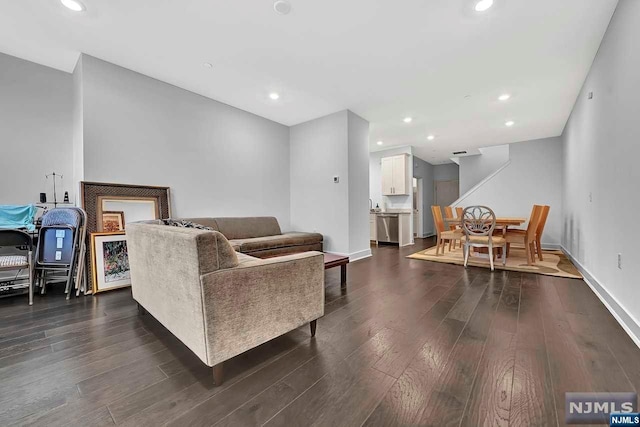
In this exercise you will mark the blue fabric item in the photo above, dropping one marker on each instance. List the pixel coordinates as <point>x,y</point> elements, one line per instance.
<point>17,216</point>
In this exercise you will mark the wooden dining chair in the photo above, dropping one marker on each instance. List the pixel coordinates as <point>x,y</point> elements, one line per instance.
<point>442,234</point>
<point>478,223</point>
<point>459,211</point>
<point>541,223</point>
<point>448,213</point>
<point>527,237</point>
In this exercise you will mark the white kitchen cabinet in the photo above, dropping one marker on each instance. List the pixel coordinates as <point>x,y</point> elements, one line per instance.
<point>395,175</point>
<point>387,176</point>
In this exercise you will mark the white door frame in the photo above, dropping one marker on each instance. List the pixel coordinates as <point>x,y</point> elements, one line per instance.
<point>418,225</point>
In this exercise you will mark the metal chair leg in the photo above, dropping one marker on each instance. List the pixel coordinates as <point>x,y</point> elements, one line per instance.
<point>30,278</point>
<point>80,284</point>
<point>43,282</point>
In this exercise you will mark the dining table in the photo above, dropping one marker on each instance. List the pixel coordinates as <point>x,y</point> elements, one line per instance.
<point>501,222</point>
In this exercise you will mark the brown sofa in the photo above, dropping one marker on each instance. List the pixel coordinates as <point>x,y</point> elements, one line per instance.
<point>261,237</point>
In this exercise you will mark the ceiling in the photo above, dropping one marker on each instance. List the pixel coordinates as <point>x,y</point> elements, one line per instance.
<point>384,60</point>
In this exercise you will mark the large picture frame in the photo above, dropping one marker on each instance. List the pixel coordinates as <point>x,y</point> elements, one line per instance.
<point>110,261</point>
<point>148,202</point>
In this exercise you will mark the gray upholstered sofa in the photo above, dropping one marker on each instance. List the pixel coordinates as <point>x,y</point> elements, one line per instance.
<point>261,236</point>
<point>218,302</point>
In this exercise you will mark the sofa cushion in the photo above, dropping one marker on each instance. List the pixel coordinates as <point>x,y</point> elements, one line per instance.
<point>272,242</point>
<point>248,227</point>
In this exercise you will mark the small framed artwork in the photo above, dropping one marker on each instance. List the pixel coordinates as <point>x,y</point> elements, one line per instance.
<point>110,261</point>
<point>112,221</point>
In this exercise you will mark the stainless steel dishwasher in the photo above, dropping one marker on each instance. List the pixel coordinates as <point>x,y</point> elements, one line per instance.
<point>387,226</point>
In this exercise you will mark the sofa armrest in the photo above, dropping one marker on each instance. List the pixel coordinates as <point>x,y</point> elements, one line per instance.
<point>259,300</point>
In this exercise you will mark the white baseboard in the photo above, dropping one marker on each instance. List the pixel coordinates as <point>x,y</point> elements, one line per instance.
<point>630,325</point>
<point>355,256</point>
<point>551,246</point>
<point>360,255</point>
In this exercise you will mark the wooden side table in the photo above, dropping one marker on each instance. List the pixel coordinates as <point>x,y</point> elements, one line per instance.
<point>332,260</point>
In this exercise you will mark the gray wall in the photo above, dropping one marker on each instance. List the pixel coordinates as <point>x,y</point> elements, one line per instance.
<point>424,170</point>
<point>534,176</point>
<point>447,172</point>
<point>318,153</point>
<point>78,128</point>
<point>218,160</point>
<point>358,133</point>
<point>601,173</point>
<point>474,169</point>
<point>333,145</point>
<point>35,130</point>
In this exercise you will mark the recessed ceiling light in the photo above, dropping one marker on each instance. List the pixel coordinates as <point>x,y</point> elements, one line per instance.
<point>509,123</point>
<point>504,97</point>
<point>407,119</point>
<point>282,7</point>
<point>74,5</point>
<point>274,96</point>
<point>431,137</point>
<point>379,142</point>
<point>208,65</point>
<point>483,5</point>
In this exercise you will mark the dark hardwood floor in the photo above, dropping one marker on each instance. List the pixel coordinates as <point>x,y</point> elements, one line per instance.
<point>409,343</point>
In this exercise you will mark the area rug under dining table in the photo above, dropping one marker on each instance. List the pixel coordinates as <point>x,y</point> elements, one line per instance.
<point>555,262</point>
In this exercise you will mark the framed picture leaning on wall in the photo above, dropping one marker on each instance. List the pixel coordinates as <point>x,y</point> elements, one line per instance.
<point>112,221</point>
<point>110,261</point>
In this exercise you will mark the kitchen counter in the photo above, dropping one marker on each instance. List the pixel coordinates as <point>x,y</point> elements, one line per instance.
<point>391,212</point>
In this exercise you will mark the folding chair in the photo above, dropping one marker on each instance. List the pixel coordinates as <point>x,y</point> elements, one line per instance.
<point>81,273</point>
<point>60,249</point>
<point>20,242</point>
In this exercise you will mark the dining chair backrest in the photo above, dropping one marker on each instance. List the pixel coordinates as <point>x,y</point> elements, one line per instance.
<point>534,219</point>
<point>437,218</point>
<point>542,220</point>
<point>478,221</point>
<point>459,211</point>
<point>448,212</point>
